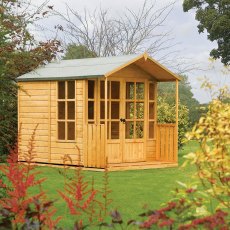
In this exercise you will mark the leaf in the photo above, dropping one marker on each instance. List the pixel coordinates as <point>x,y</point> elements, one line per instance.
<point>182,184</point>
<point>184,164</point>
<point>202,211</point>
<point>190,156</point>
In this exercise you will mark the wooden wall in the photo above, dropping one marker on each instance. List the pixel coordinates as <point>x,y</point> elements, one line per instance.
<point>33,110</point>
<point>132,71</point>
<point>166,143</point>
<point>150,150</point>
<point>37,106</point>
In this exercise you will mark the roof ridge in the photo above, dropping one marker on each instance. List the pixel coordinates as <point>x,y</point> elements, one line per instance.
<point>104,57</point>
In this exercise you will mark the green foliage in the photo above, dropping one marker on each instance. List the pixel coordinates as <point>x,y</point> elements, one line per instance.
<point>74,51</point>
<point>189,207</point>
<point>18,208</point>
<point>213,158</point>
<point>214,16</point>
<point>186,97</point>
<point>184,212</point>
<point>166,114</point>
<point>189,107</point>
<point>19,54</point>
<point>8,114</point>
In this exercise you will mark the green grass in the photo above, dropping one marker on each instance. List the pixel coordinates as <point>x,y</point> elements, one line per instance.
<point>131,190</point>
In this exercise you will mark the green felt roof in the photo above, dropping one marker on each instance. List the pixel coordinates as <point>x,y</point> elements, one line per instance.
<point>93,68</point>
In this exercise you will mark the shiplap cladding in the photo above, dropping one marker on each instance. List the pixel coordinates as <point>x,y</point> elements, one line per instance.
<point>37,109</point>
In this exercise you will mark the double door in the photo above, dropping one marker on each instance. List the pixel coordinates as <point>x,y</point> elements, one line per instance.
<point>126,115</point>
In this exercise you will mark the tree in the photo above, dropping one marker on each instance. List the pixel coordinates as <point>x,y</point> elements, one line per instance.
<point>214,16</point>
<point>19,54</point>
<point>74,51</point>
<point>107,34</point>
<point>186,97</point>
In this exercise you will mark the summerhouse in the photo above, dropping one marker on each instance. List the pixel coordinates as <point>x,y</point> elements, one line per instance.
<point>97,113</point>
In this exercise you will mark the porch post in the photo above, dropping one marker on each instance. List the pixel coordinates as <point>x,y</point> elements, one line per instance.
<point>176,135</point>
<point>106,115</point>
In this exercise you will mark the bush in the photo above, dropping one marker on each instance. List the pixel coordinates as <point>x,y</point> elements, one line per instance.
<point>187,210</point>
<point>167,114</point>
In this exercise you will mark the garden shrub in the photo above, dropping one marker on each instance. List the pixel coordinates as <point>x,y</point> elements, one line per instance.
<point>212,160</point>
<point>18,208</point>
<point>166,113</point>
<point>188,209</point>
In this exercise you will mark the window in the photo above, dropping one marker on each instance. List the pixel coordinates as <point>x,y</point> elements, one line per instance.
<point>151,115</point>
<point>91,102</point>
<point>134,110</point>
<point>113,108</point>
<point>66,110</point>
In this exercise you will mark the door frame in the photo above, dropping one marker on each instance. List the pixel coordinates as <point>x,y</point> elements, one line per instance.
<point>117,146</point>
<point>135,141</point>
<point>122,141</point>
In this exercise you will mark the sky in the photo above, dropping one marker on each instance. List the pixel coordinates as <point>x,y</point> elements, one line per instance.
<point>192,46</point>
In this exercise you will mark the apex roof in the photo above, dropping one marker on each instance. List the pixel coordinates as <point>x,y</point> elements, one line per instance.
<point>97,67</point>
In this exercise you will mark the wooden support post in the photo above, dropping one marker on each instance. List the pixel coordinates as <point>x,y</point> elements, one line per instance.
<point>19,123</point>
<point>49,123</point>
<point>106,115</point>
<point>176,135</point>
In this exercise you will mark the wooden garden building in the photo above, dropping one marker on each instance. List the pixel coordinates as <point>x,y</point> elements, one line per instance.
<point>97,112</point>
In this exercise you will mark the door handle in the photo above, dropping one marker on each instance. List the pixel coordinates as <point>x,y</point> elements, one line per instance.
<point>122,120</point>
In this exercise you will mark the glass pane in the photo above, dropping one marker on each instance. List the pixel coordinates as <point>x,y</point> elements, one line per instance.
<point>140,110</point>
<point>140,90</point>
<point>108,89</point>
<point>129,130</point>
<point>91,110</point>
<point>61,130</point>
<point>61,90</point>
<point>108,130</point>
<point>102,89</point>
<point>61,110</point>
<point>102,110</point>
<point>115,90</point>
<point>91,89</point>
<point>71,89</point>
<point>115,110</point>
<point>129,90</point>
<point>151,129</point>
<point>71,110</point>
<point>129,110</point>
<point>108,107</point>
<point>71,131</point>
<point>115,129</point>
<point>151,110</point>
<point>139,129</point>
<point>151,91</point>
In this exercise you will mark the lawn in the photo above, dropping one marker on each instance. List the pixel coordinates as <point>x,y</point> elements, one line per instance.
<point>131,190</point>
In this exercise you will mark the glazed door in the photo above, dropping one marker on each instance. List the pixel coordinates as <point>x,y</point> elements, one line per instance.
<point>114,113</point>
<point>133,121</point>
<point>125,120</point>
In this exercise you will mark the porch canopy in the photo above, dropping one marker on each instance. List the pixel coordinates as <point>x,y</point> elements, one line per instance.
<point>98,67</point>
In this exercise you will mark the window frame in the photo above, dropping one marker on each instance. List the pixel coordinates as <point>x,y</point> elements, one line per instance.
<point>154,102</point>
<point>92,100</point>
<point>65,120</point>
<point>135,100</point>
